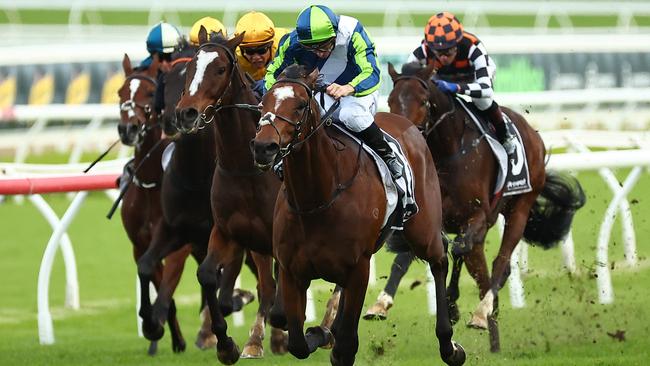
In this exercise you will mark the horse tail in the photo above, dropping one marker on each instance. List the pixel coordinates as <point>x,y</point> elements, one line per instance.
<point>552,213</point>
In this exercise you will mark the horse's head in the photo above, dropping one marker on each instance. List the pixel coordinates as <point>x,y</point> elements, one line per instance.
<point>174,84</point>
<point>286,109</point>
<point>137,115</point>
<point>411,94</point>
<point>209,76</point>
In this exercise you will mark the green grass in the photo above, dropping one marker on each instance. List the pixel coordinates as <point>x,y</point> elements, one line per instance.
<point>562,324</point>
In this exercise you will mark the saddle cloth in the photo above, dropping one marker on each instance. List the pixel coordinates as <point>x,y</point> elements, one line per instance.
<point>405,183</point>
<point>513,176</point>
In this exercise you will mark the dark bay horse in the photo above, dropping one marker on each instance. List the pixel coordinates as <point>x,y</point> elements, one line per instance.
<point>329,215</point>
<point>467,170</point>
<point>242,197</point>
<point>141,207</point>
<point>186,209</point>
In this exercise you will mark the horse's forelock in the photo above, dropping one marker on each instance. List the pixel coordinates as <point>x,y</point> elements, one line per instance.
<point>412,68</point>
<point>296,71</point>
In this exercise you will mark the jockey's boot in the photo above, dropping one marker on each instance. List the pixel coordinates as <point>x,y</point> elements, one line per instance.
<point>503,133</point>
<point>373,137</point>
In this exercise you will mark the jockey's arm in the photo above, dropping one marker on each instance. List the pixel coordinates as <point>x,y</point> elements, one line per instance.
<point>366,59</point>
<point>482,85</point>
<point>279,63</point>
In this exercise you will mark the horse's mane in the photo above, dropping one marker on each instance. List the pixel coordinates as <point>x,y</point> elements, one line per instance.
<point>411,68</point>
<point>296,71</point>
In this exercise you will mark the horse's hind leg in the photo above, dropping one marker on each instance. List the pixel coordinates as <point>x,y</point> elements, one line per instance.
<point>401,264</point>
<point>478,269</point>
<point>453,292</point>
<point>266,294</point>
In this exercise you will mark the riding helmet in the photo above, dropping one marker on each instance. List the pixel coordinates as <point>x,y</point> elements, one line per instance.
<point>443,31</point>
<point>163,38</point>
<point>316,24</point>
<point>210,24</point>
<point>259,29</point>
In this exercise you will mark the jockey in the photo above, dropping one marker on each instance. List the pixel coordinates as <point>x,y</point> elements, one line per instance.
<point>344,53</point>
<point>463,67</point>
<point>211,25</point>
<point>163,40</point>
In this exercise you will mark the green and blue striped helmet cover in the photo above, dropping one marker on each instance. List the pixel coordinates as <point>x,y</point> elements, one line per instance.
<point>315,24</point>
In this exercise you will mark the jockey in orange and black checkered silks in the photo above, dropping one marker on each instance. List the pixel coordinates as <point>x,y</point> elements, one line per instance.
<point>463,67</point>
<point>339,47</point>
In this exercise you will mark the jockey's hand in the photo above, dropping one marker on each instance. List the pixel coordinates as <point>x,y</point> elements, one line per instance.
<point>447,87</point>
<point>337,91</point>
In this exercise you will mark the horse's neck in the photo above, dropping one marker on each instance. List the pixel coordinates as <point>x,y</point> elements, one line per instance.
<point>150,170</point>
<point>194,155</point>
<point>446,138</point>
<point>311,172</point>
<point>234,128</point>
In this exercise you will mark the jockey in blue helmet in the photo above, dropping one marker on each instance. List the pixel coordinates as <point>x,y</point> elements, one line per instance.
<point>345,55</point>
<point>163,40</point>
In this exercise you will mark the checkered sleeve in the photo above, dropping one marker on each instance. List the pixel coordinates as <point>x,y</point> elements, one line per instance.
<point>418,55</point>
<point>482,86</point>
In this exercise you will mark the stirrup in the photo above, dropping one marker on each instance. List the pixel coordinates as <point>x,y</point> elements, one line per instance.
<point>395,167</point>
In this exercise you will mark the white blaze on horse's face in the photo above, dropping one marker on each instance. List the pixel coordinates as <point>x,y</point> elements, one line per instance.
<point>281,94</point>
<point>134,84</point>
<point>203,59</point>
<point>266,119</point>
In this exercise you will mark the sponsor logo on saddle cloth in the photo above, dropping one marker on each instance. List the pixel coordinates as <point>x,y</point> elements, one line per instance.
<point>513,176</point>
<point>405,183</point>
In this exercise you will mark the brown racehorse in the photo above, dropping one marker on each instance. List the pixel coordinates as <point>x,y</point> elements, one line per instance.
<point>329,216</point>
<point>467,171</point>
<point>141,207</point>
<point>242,197</point>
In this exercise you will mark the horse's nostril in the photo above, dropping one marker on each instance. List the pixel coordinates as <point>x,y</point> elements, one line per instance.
<point>272,148</point>
<point>189,114</point>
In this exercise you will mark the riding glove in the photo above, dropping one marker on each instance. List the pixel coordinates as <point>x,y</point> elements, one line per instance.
<point>446,86</point>
<point>259,88</point>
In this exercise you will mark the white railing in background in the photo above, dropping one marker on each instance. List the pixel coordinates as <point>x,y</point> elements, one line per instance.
<point>395,12</point>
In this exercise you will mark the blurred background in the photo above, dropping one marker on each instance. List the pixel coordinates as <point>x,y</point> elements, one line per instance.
<point>568,64</point>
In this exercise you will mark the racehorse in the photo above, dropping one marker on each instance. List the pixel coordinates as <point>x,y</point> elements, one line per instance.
<point>242,197</point>
<point>329,215</point>
<point>467,170</point>
<point>141,207</point>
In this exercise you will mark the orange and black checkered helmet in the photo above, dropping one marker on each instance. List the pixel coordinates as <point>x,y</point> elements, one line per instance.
<point>443,31</point>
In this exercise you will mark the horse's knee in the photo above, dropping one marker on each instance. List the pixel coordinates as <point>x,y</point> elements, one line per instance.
<point>207,277</point>
<point>146,267</point>
<point>277,319</point>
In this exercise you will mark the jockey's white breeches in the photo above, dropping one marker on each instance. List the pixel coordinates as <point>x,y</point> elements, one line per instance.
<point>356,113</point>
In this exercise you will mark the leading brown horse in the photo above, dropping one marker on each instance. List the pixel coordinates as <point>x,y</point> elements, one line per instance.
<point>329,216</point>
<point>467,171</point>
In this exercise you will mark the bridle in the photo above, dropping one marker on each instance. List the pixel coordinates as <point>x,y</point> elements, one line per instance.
<point>204,119</point>
<point>429,125</point>
<point>130,106</point>
<point>326,120</point>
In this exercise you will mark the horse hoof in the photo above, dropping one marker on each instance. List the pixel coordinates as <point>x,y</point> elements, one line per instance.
<point>205,340</point>
<point>477,323</point>
<point>228,353</point>
<point>152,331</point>
<point>153,348</point>
<point>379,311</point>
<point>454,314</point>
<point>179,346</point>
<point>458,357</point>
<point>252,350</point>
<point>242,298</point>
<point>279,340</point>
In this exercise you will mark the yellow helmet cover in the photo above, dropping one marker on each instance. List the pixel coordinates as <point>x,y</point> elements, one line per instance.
<point>210,24</point>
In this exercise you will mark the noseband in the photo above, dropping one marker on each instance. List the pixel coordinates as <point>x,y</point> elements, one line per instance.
<point>326,120</point>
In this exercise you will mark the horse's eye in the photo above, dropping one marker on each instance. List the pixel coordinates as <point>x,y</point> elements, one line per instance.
<point>302,106</point>
<point>221,70</point>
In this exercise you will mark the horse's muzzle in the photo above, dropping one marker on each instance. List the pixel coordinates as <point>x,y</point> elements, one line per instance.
<point>128,133</point>
<point>264,153</point>
<point>187,119</point>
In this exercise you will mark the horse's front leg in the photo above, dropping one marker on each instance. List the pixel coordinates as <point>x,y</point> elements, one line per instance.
<point>347,327</point>
<point>227,351</point>
<point>294,294</point>
<point>231,269</point>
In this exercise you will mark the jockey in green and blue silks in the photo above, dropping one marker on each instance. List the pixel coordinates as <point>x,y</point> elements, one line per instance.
<point>339,47</point>
<point>163,39</point>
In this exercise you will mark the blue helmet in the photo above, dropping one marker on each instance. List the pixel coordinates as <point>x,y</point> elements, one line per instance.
<point>316,24</point>
<point>163,38</point>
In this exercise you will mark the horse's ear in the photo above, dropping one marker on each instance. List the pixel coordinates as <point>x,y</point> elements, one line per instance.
<point>311,78</point>
<point>235,41</point>
<point>391,71</point>
<point>203,35</point>
<point>126,65</point>
<point>428,71</point>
